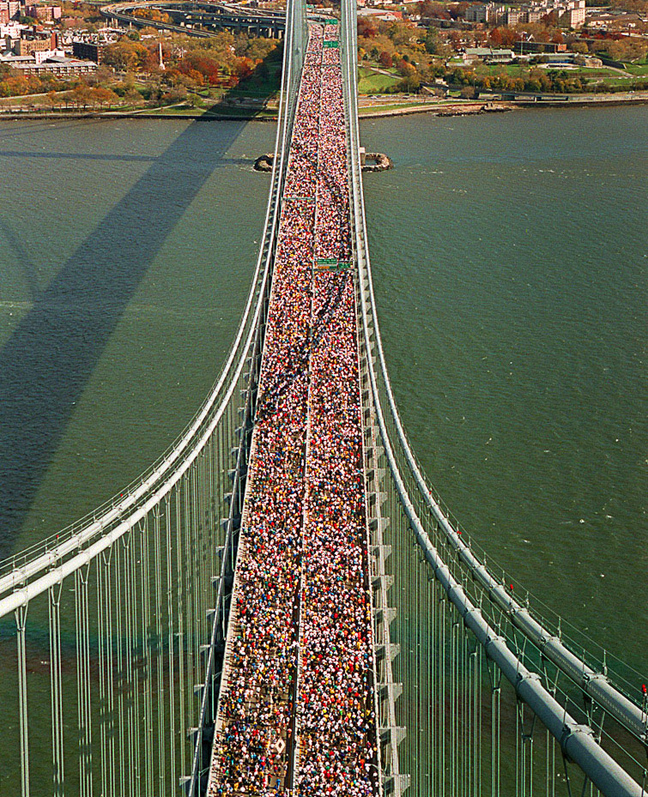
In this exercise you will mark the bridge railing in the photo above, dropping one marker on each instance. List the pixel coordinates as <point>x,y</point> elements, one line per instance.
<point>472,653</point>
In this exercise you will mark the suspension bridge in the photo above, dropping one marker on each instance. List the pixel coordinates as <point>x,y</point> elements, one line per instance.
<point>282,604</point>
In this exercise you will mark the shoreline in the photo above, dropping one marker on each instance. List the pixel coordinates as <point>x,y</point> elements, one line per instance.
<point>459,108</point>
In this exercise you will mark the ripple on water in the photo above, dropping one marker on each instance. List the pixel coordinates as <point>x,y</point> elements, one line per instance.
<point>510,267</point>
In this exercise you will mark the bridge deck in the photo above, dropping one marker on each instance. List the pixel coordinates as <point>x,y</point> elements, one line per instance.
<point>297,707</point>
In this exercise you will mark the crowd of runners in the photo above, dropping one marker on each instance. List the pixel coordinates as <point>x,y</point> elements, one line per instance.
<point>296,708</point>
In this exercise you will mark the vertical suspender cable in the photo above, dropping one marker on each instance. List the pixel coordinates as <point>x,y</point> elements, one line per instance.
<point>453,702</point>
<point>433,692</point>
<point>147,670</point>
<point>159,653</point>
<point>139,672</point>
<point>190,609</point>
<point>122,730</point>
<point>84,696</point>
<point>442,692</point>
<point>518,763</point>
<point>21,621</point>
<point>130,680</point>
<point>56,693</point>
<point>171,643</point>
<point>180,603</point>
<point>110,673</point>
<point>103,751</point>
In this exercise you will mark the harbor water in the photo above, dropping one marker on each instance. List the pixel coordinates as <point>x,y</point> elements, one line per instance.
<point>509,253</point>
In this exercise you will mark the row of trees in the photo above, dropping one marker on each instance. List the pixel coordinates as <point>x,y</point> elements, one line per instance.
<point>83,96</point>
<point>15,84</point>
<point>559,81</point>
<point>536,80</point>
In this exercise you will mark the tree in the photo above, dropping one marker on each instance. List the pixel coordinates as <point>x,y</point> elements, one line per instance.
<point>125,55</point>
<point>245,68</point>
<point>14,86</point>
<point>469,93</point>
<point>411,84</point>
<point>458,10</point>
<point>103,96</point>
<point>174,95</point>
<point>628,50</point>
<point>367,27</point>
<point>258,48</point>
<point>435,45</point>
<point>433,10</point>
<point>132,97</point>
<point>509,36</point>
<point>405,68</point>
<point>129,80</point>
<point>201,66</point>
<point>495,37</point>
<point>385,60</point>
<point>403,34</point>
<point>82,95</point>
<point>104,73</point>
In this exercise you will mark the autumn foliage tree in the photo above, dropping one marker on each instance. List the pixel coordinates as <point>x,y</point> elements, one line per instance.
<point>126,55</point>
<point>503,36</point>
<point>367,27</point>
<point>201,66</point>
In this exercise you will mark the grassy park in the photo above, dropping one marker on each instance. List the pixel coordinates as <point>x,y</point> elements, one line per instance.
<point>370,81</point>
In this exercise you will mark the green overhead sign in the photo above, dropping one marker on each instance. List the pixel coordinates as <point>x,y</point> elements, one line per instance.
<point>331,264</point>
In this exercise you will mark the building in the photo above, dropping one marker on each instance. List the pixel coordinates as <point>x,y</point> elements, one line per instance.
<point>27,45</point>
<point>490,13</point>
<point>91,51</point>
<point>535,14</point>
<point>488,55</point>
<point>8,11</point>
<point>618,21</point>
<point>9,33</point>
<point>514,16</point>
<point>381,14</point>
<point>530,46</point>
<point>574,15</point>
<point>13,9</point>
<point>588,60</point>
<point>52,62</point>
<point>568,13</point>
<point>44,13</point>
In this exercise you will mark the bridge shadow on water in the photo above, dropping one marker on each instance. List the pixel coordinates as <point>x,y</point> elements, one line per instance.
<point>52,352</point>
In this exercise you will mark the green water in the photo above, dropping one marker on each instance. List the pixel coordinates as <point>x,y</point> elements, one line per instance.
<point>510,254</point>
<point>138,241</point>
<point>510,262</point>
